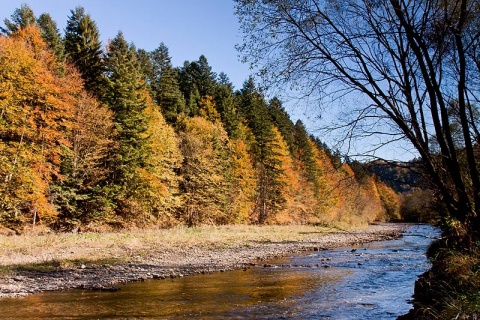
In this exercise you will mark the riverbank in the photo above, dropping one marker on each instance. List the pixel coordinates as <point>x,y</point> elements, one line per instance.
<point>103,261</point>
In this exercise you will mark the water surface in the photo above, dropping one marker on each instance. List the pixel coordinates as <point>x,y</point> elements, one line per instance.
<point>373,281</point>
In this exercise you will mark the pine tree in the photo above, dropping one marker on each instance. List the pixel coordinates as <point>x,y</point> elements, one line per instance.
<point>225,104</point>
<point>282,121</point>
<point>51,35</point>
<point>83,49</point>
<point>253,108</point>
<point>165,88</point>
<point>22,17</point>
<point>125,95</point>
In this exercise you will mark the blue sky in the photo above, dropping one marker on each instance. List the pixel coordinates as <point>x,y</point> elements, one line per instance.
<point>189,28</point>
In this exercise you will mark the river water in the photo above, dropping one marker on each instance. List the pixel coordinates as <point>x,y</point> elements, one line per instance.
<point>371,281</point>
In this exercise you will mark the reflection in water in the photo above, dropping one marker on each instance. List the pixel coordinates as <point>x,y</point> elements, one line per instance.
<point>373,282</point>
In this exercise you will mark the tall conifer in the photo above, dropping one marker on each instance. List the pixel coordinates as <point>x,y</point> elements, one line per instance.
<point>51,35</point>
<point>254,110</point>
<point>21,18</point>
<point>125,96</point>
<point>165,88</point>
<point>83,48</point>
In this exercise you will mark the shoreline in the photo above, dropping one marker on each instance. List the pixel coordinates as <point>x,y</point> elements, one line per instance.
<point>172,262</point>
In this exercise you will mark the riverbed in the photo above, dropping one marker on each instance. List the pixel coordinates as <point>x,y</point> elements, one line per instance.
<point>372,280</point>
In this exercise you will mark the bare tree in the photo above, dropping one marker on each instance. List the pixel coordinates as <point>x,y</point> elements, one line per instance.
<point>415,63</point>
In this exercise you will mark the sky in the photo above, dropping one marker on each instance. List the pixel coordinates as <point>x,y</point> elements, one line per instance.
<point>189,28</point>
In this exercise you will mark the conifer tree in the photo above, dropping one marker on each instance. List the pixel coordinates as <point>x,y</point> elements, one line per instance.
<point>21,17</point>
<point>225,104</point>
<point>254,110</point>
<point>282,121</point>
<point>165,88</point>
<point>204,77</point>
<point>305,155</point>
<point>51,35</point>
<point>83,48</point>
<point>125,95</point>
<point>189,89</point>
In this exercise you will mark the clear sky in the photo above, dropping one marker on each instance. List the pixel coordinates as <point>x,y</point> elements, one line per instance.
<point>189,28</point>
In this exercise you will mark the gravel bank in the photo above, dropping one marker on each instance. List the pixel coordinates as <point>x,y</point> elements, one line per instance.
<point>179,262</point>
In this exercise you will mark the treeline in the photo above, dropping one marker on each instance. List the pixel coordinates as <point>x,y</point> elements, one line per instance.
<point>94,136</point>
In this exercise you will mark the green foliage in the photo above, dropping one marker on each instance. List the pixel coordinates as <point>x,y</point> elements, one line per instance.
<point>253,108</point>
<point>164,83</point>
<point>83,48</point>
<point>51,35</point>
<point>21,18</point>
<point>125,95</point>
<point>225,104</point>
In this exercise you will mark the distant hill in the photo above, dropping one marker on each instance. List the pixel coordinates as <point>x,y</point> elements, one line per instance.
<point>401,177</point>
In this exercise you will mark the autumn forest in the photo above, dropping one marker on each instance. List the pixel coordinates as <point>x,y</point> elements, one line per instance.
<point>96,136</point>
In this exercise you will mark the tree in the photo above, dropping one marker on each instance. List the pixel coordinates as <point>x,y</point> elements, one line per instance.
<point>253,109</point>
<point>51,35</point>
<point>225,103</point>
<point>407,59</point>
<point>126,96</point>
<point>164,83</point>
<point>206,164</point>
<point>36,115</point>
<point>84,49</point>
<point>21,18</point>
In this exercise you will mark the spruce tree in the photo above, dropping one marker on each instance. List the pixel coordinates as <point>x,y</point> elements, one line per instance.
<point>225,102</point>
<point>125,96</point>
<point>165,88</point>
<point>83,48</point>
<point>51,35</point>
<point>282,121</point>
<point>21,18</point>
<point>305,155</point>
<point>254,110</point>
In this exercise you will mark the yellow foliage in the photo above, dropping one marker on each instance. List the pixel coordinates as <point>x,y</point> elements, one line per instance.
<point>35,115</point>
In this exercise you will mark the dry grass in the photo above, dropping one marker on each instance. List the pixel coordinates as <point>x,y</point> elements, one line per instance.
<point>125,245</point>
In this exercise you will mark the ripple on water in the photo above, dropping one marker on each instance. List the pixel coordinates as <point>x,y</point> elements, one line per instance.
<point>374,281</point>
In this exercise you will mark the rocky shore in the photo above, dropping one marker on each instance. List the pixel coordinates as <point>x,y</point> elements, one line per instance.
<point>179,262</point>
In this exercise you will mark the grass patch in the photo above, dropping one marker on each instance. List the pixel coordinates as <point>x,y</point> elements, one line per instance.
<point>52,250</point>
<point>451,289</point>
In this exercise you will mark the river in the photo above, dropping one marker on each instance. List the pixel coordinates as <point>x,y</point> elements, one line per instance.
<point>371,281</point>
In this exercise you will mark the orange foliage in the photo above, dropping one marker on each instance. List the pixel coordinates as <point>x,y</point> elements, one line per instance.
<point>36,112</point>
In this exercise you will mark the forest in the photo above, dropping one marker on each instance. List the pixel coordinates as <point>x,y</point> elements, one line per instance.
<point>100,136</point>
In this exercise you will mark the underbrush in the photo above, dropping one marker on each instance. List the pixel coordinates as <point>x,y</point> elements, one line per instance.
<point>451,288</point>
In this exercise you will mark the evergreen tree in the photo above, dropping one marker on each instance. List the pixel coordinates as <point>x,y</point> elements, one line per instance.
<point>225,103</point>
<point>204,77</point>
<point>51,35</point>
<point>306,156</point>
<point>282,121</point>
<point>143,58</point>
<point>254,110</point>
<point>165,88</point>
<point>21,18</point>
<point>125,95</point>
<point>196,80</point>
<point>83,48</point>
